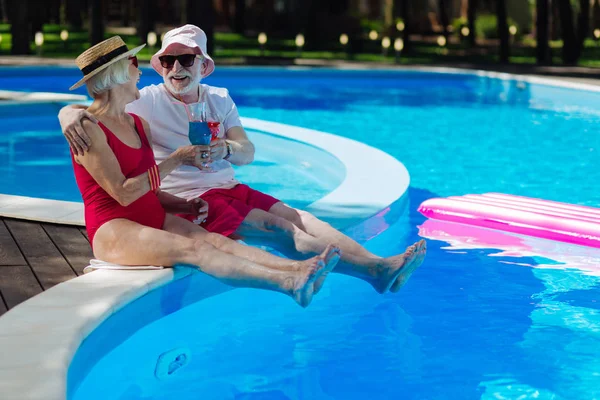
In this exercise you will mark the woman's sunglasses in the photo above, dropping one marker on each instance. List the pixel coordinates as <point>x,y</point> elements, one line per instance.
<point>134,61</point>
<point>186,60</point>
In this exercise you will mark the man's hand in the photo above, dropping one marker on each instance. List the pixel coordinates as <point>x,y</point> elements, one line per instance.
<point>218,149</point>
<point>198,208</point>
<point>196,155</point>
<point>70,122</point>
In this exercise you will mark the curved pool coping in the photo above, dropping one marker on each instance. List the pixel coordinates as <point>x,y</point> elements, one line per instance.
<point>360,195</point>
<point>40,336</point>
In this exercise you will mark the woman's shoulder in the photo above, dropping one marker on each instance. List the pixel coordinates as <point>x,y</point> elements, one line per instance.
<point>92,128</point>
<point>144,124</point>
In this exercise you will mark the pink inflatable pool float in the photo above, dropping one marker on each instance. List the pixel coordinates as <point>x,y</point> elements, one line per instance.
<point>523,215</point>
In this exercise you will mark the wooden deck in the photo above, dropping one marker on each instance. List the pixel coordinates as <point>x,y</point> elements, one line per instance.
<point>36,256</point>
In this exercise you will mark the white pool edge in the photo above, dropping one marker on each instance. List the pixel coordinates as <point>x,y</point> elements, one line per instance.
<point>40,336</point>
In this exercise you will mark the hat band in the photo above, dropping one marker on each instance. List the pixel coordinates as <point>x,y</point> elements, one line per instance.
<point>100,61</point>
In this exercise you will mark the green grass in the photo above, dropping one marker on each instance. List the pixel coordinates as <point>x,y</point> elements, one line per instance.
<point>235,46</point>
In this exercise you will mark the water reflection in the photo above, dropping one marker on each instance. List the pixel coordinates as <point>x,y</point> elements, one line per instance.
<point>562,344</point>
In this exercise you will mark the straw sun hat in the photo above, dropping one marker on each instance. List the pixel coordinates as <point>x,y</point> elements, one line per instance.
<point>101,56</point>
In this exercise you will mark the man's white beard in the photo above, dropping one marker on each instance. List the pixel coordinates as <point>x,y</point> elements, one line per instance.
<point>186,89</point>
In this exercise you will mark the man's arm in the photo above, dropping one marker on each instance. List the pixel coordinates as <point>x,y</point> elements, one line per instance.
<point>242,149</point>
<point>70,118</point>
<point>177,205</point>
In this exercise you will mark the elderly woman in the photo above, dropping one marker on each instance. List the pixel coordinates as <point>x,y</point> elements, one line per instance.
<point>126,213</point>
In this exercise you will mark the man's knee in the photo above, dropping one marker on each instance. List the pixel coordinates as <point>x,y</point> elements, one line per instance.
<point>273,222</point>
<point>305,218</point>
<point>262,220</point>
<point>295,217</point>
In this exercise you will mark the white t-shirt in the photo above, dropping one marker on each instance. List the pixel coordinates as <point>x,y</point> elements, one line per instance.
<point>168,122</point>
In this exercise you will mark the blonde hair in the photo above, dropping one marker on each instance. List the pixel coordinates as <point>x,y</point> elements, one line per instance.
<point>114,75</point>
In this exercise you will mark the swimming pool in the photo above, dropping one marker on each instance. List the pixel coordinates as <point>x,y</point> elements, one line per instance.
<point>478,320</point>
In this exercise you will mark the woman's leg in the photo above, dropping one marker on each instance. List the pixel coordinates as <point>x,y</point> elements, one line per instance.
<point>125,242</point>
<point>183,227</point>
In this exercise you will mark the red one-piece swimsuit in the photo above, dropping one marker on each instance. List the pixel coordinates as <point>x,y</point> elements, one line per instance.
<point>99,206</point>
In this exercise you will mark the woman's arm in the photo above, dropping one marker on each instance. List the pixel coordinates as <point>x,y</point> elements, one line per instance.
<point>101,163</point>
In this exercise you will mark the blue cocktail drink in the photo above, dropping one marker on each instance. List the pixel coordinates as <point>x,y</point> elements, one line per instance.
<point>199,133</point>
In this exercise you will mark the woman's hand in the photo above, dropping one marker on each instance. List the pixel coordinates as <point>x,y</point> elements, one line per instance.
<point>198,208</point>
<point>197,156</point>
<point>70,119</point>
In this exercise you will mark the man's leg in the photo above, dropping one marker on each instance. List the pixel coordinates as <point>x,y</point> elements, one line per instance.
<point>243,211</point>
<point>325,232</point>
<point>320,229</point>
<point>266,228</point>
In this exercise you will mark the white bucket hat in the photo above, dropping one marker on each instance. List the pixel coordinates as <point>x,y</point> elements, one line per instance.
<point>190,36</point>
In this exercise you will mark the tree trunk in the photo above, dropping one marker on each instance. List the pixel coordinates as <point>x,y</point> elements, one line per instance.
<point>596,14</point>
<point>202,14</point>
<point>20,27</point>
<point>4,11</point>
<point>239,20</point>
<point>444,17</point>
<point>583,27</point>
<point>374,11</point>
<point>310,12</point>
<point>555,24</point>
<point>388,13</point>
<point>542,32</point>
<point>37,16</point>
<point>503,31</point>
<point>146,21</point>
<point>226,4</point>
<point>74,14</point>
<point>471,16</point>
<point>96,22</point>
<point>126,12</point>
<point>405,15</point>
<point>266,15</point>
<point>570,51</point>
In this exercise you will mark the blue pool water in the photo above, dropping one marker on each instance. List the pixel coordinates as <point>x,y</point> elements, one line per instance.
<point>477,321</point>
<point>35,161</point>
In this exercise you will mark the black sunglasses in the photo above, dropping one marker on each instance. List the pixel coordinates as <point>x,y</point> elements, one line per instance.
<point>134,61</point>
<point>186,60</point>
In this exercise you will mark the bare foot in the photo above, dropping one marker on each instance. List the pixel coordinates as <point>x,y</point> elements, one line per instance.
<point>332,256</point>
<point>400,266</point>
<point>421,246</point>
<point>303,287</point>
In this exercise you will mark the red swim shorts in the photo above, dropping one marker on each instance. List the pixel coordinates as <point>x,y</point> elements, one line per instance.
<point>227,208</point>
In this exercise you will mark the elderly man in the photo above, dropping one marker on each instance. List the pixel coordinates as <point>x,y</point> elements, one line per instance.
<point>234,209</point>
